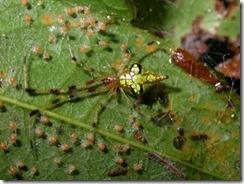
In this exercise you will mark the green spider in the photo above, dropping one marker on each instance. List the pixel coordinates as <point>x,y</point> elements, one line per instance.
<point>134,80</point>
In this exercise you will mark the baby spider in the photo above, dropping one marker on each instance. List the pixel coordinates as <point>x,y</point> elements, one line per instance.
<point>133,80</point>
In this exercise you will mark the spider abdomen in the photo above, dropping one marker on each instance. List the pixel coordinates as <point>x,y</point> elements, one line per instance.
<point>137,79</point>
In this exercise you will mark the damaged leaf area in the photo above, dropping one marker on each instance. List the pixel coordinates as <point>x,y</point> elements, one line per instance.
<point>105,91</point>
<point>208,38</point>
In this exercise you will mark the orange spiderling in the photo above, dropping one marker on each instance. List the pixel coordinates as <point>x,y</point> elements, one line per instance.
<point>103,43</point>
<point>92,20</point>
<point>13,138</point>
<point>12,80</point>
<point>84,49</point>
<point>28,19</point>
<point>73,137</point>
<point>46,56</point>
<point>20,164</point>
<point>39,132</point>
<point>70,11</point>
<point>44,119</point>
<point>116,147</point>
<point>101,146</point>
<point>24,2</point>
<point>86,144</point>
<point>125,148</point>
<point>4,146</point>
<point>152,48</point>
<point>12,126</point>
<point>119,160</point>
<point>126,55</point>
<point>34,171</point>
<point>140,41</point>
<point>13,171</point>
<point>118,128</point>
<point>137,167</point>
<point>47,19</point>
<point>52,139</point>
<point>36,49</point>
<point>102,26</point>
<point>89,33</point>
<point>64,29</point>
<point>123,46</point>
<point>51,39</point>
<point>118,64</point>
<point>65,147</point>
<point>90,137</point>
<point>71,169</point>
<point>87,11</point>
<point>60,18</point>
<point>79,9</point>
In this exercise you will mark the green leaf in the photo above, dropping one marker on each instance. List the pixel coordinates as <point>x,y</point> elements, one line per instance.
<point>193,104</point>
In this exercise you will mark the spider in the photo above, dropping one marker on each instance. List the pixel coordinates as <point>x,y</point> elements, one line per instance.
<point>134,80</point>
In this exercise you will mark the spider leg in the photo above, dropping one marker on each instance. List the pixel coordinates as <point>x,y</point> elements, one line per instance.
<point>69,97</point>
<point>25,73</point>
<point>100,107</point>
<point>85,86</point>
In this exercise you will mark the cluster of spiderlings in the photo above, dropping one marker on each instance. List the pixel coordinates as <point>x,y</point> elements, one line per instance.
<point>121,148</point>
<point>120,154</point>
<point>140,137</point>
<point>43,131</point>
<point>41,53</point>
<point>88,140</point>
<point>137,128</point>
<point>12,133</point>
<point>121,151</point>
<point>13,141</point>
<point>76,17</point>
<point>80,17</point>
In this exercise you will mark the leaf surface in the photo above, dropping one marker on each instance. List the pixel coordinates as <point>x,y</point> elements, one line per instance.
<point>193,104</point>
